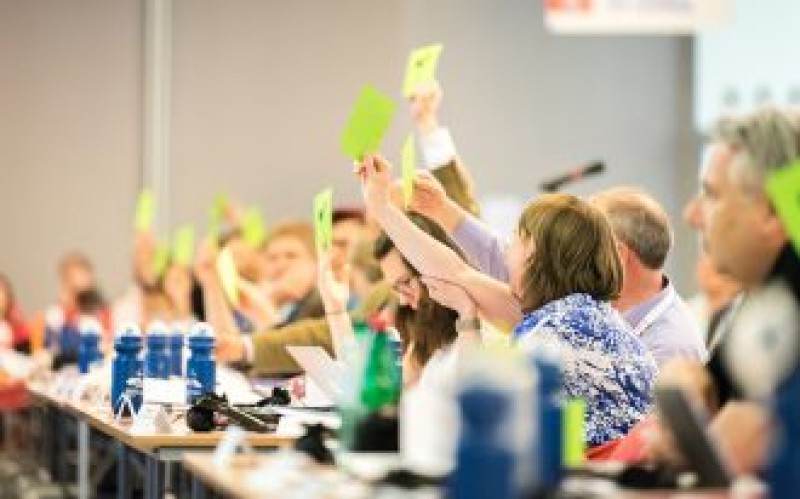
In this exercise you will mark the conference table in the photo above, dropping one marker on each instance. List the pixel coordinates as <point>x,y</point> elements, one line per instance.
<point>158,449</point>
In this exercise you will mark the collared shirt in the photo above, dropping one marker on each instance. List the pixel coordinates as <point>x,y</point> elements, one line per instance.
<point>602,362</point>
<point>666,326</point>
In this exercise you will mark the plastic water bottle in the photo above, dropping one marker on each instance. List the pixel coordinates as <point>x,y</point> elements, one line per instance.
<point>176,350</point>
<point>156,360</point>
<point>201,368</point>
<point>548,447</point>
<point>126,369</point>
<point>89,353</point>
<point>484,468</point>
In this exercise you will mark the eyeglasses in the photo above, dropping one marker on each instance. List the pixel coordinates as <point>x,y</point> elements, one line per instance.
<point>403,285</point>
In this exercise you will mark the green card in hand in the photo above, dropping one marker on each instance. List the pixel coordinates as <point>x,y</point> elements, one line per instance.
<point>228,276</point>
<point>367,124</point>
<point>253,228</point>
<point>421,67</point>
<point>783,189</point>
<point>161,260</point>
<point>409,169</point>
<point>323,219</point>
<point>574,436</point>
<point>184,245</point>
<point>145,210</point>
<point>215,216</point>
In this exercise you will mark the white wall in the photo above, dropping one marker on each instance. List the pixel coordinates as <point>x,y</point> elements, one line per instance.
<point>70,106</point>
<point>261,90</point>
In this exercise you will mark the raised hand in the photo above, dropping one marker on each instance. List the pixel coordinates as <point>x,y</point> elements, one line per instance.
<point>425,102</point>
<point>375,182</point>
<point>335,294</point>
<point>450,295</point>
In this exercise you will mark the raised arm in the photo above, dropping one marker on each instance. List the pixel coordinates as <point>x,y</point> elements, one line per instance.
<point>493,299</point>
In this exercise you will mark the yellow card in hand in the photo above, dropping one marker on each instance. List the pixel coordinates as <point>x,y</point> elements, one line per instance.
<point>409,169</point>
<point>253,228</point>
<point>323,219</point>
<point>421,67</point>
<point>367,124</point>
<point>228,276</point>
<point>145,210</point>
<point>783,189</point>
<point>215,215</point>
<point>184,245</point>
<point>574,432</point>
<point>161,260</point>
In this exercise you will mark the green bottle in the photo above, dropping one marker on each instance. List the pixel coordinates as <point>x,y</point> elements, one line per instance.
<point>381,384</point>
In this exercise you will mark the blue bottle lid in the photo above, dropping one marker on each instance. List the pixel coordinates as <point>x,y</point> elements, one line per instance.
<point>129,330</point>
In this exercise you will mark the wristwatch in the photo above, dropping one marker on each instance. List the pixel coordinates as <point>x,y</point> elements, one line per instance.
<point>470,324</point>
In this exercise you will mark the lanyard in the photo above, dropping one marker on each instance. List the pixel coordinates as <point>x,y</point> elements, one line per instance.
<point>656,312</point>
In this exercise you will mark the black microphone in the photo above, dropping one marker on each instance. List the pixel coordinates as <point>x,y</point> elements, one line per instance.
<point>593,168</point>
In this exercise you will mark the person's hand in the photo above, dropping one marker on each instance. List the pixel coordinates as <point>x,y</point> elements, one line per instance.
<point>205,268</point>
<point>450,295</point>
<point>144,251</point>
<point>744,433</point>
<point>178,288</point>
<point>425,102</point>
<point>229,348</point>
<point>429,197</point>
<point>375,182</point>
<point>691,377</point>
<point>335,294</point>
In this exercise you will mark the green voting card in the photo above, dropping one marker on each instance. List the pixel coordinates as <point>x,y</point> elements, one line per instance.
<point>367,124</point>
<point>184,245</point>
<point>145,210</point>
<point>323,219</point>
<point>228,276</point>
<point>216,214</point>
<point>574,436</point>
<point>161,260</point>
<point>253,228</point>
<point>409,169</point>
<point>421,67</point>
<point>783,189</point>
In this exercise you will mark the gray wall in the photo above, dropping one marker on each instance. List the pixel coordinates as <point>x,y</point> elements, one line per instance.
<point>261,90</point>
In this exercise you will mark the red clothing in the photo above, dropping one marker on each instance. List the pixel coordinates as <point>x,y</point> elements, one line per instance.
<point>19,330</point>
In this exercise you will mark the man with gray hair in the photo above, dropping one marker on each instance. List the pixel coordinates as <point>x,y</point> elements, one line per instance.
<point>648,300</point>
<point>746,238</point>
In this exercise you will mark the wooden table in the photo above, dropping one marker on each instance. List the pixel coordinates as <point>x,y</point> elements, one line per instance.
<point>158,448</point>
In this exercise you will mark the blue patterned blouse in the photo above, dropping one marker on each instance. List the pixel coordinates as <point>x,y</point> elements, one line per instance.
<point>602,362</point>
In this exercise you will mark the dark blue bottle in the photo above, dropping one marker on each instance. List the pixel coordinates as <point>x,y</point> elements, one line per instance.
<point>176,350</point>
<point>201,368</point>
<point>126,369</point>
<point>548,450</point>
<point>156,359</point>
<point>484,468</point>
<point>784,465</point>
<point>89,352</point>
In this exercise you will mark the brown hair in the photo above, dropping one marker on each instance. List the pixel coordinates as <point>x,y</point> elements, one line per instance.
<point>432,325</point>
<point>573,252</point>
<point>301,231</point>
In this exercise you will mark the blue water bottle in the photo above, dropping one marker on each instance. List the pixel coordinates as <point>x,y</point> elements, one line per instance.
<point>126,369</point>
<point>176,350</point>
<point>548,450</point>
<point>484,467</point>
<point>156,359</point>
<point>201,375</point>
<point>89,352</point>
